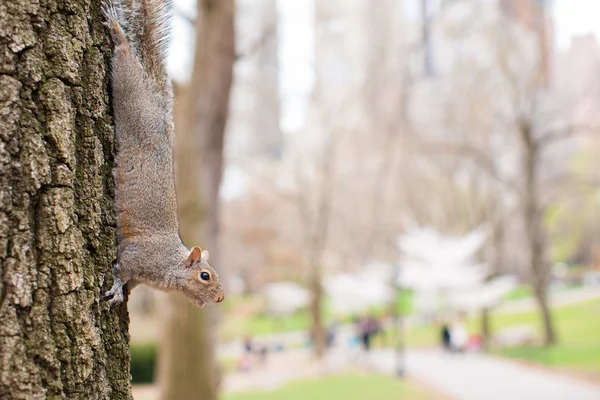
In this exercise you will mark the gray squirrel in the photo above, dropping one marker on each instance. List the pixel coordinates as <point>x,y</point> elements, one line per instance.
<point>149,250</point>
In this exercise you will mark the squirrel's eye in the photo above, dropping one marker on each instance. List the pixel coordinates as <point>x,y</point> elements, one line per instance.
<point>205,276</point>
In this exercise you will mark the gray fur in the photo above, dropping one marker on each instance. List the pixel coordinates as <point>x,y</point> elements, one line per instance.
<point>149,250</point>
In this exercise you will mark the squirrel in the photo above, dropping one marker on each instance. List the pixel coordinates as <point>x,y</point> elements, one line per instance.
<point>149,249</point>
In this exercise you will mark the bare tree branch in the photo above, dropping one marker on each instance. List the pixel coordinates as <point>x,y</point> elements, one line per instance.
<point>267,35</point>
<point>565,132</point>
<point>478,156</point>
<point>557,185</point>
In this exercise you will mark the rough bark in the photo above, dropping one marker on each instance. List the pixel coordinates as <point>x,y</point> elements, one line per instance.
<point>188,369</point>
<point>58,339</point>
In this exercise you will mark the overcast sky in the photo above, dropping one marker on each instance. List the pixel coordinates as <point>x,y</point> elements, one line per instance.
<point>575,17</point>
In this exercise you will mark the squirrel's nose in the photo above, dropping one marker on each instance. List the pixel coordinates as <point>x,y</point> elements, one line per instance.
<point>221,298</point>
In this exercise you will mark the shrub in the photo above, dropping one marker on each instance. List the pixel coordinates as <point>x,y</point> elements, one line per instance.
<point>143,362</point>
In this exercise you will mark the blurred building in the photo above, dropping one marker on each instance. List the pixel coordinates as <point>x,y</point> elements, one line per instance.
<point>577,78</point>
<point>535,16</point>
<point>253,130</point>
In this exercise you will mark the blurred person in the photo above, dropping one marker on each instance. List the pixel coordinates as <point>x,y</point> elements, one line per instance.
<point>474,343</point>
<point>263,353</point>
<point>458,336</point>
<point>446,336</point>
<point>332,333</point>
<point>245,361</point>
<point>365,335</point>
<point>248,344</point>
<point>369,326</point>
<point>278,347</point>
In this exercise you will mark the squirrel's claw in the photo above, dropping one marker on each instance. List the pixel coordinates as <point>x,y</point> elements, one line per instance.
<point>117,299</point>
<point>117,295</point>
<point>116,292</point>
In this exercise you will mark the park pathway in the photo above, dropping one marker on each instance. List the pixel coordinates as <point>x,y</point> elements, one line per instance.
<point>480,377</point>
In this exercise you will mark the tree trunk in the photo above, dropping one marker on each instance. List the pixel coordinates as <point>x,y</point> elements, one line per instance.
<point>188,369</point>
<point>542,301</point>
<point>58,339</point>
<point>186,355</point>
<point>540,273</point>
<point>317,243</point>
<point>485,328</point>
<point>497,253</point>
<point>316,312</point>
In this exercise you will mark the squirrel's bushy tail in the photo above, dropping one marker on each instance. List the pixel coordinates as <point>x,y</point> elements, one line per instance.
<point>147,25</point>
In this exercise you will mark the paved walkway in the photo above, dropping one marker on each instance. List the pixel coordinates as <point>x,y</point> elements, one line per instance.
<point>280,369</point>
<point>478,377</point>
<point>298,338</point>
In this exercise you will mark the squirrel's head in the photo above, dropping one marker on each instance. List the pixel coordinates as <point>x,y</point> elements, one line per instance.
<point>202,285</point>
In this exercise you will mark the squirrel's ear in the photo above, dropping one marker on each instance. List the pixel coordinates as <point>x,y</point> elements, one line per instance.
<point>205,255</point>
<point>194,256</point>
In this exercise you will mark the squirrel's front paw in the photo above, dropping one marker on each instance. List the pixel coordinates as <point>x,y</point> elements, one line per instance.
<point>116,292</point>
<point>116,299</point>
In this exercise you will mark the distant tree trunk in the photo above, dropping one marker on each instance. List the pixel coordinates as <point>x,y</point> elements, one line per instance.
<point>187,366</point>
<point>541,296</point>
<point>540,272</point>
<point>316,312</point>
<point>58,339</point>
<point>317,242</point>
<point>497,253</point>
<point>485,328</point>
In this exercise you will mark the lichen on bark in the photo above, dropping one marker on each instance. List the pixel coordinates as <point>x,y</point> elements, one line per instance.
<point>58,339</point>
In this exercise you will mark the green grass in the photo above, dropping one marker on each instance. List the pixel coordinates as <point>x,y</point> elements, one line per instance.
<point>518,293</point>
<point>350,386</point>
<point>228,364</point>
<point>414,337</point>
<point>578,328</point>
<point>257,323</point>
<point>524,291</point>
<point>262,324</point>
<point>423,336</point>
